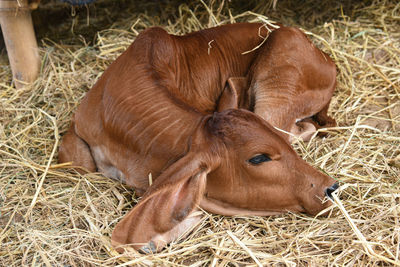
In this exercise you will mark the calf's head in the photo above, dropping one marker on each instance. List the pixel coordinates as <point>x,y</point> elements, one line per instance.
<point>236,164</point>
<point>259,173</point>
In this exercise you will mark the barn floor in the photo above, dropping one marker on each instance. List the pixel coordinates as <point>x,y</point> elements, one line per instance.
<point>52,216</point>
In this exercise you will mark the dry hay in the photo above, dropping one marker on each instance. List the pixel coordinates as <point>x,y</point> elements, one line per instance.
<point>52,216</point>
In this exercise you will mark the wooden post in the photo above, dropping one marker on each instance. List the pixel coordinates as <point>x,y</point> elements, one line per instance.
<point>19,37</point>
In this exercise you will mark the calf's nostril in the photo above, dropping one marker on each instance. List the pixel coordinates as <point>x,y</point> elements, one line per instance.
<point>330,190</point>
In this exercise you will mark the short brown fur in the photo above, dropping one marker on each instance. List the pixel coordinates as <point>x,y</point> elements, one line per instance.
<point>152,111</point>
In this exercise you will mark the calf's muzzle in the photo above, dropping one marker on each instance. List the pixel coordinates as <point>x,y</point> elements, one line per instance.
<point>330,190</point>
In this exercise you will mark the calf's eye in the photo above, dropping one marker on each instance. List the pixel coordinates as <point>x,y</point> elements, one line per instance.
<point>259,159</point>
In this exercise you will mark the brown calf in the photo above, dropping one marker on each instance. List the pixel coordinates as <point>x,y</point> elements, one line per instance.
<point>151,112</point>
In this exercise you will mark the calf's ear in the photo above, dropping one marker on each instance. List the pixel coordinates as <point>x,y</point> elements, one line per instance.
<point>233,93</point>
<point>158,217</point>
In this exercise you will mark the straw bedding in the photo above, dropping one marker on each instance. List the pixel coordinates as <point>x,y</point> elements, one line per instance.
<point>53,216</point>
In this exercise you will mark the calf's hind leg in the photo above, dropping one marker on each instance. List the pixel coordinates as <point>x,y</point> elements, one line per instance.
<point>322,120</point>
<point>302,130</point>
<point>74,149</point>
<point>305,128</point>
